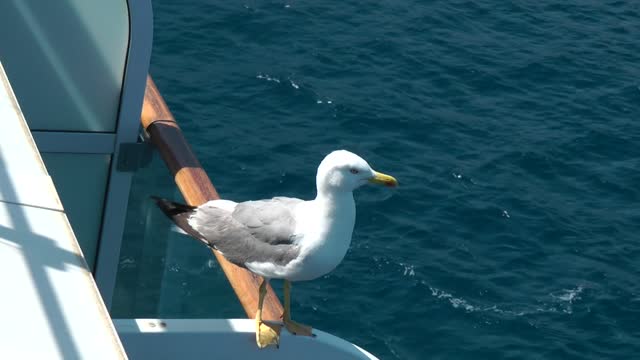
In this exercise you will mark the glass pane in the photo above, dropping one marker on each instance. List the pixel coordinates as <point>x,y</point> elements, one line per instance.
<point>163,273</point>
<point>81,181</point>
<point>66,47</point>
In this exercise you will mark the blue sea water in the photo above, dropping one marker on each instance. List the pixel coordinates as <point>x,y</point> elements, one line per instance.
<point>511,126</point>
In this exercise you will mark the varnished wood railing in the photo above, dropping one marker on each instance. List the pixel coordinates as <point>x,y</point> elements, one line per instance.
<point>197,189</point>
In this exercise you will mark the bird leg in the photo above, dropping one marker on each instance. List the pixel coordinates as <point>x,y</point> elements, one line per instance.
<point>266,334</point>
<point>292,326</point>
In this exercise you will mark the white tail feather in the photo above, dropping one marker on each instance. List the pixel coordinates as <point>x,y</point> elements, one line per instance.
<point>178,230</point>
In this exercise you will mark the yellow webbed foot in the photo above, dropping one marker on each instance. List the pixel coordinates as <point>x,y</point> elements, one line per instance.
<point>267,334</point>
<point>297,328</point>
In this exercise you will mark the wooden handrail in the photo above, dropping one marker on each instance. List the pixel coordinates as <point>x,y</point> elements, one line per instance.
<point>197,189</point>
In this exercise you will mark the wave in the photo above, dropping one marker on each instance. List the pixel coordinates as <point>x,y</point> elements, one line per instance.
<point>561,302</point>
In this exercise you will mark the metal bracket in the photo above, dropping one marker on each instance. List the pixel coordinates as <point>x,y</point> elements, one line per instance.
<point>134,156</point>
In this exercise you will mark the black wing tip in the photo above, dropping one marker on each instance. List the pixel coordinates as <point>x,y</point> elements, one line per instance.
<point>179,214</point>
<point>171,208</point>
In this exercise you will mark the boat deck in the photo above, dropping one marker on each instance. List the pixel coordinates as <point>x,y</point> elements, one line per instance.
<point>50,307</point>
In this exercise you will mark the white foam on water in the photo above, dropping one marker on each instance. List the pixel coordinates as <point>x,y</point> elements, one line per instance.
<point>567,298</point>
<point>569,295</point>
<point>563,302</point>
<point>408,269</point>
<point>127,263</point>
<point>268,78</point>
<point>454,301</point>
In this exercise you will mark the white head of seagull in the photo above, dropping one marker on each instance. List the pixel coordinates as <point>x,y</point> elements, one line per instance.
<point>343,171</point>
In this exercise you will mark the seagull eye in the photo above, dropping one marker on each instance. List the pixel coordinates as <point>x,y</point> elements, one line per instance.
<point>354,171</point>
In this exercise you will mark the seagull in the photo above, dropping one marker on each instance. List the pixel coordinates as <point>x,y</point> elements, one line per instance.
<point>284,238</point>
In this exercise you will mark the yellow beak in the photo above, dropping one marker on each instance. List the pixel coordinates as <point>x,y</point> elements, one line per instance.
<point>383,179</point>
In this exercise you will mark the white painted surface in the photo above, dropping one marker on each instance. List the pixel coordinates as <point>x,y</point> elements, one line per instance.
<point>33,190</point>
<point>187,339</point>
<point>50,307</point>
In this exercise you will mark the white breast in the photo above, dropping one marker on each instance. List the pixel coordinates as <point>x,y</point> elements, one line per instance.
<point>325,231</point>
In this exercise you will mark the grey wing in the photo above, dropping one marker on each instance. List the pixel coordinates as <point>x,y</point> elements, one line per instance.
<point>270,221</point>
<point>241,238</point>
